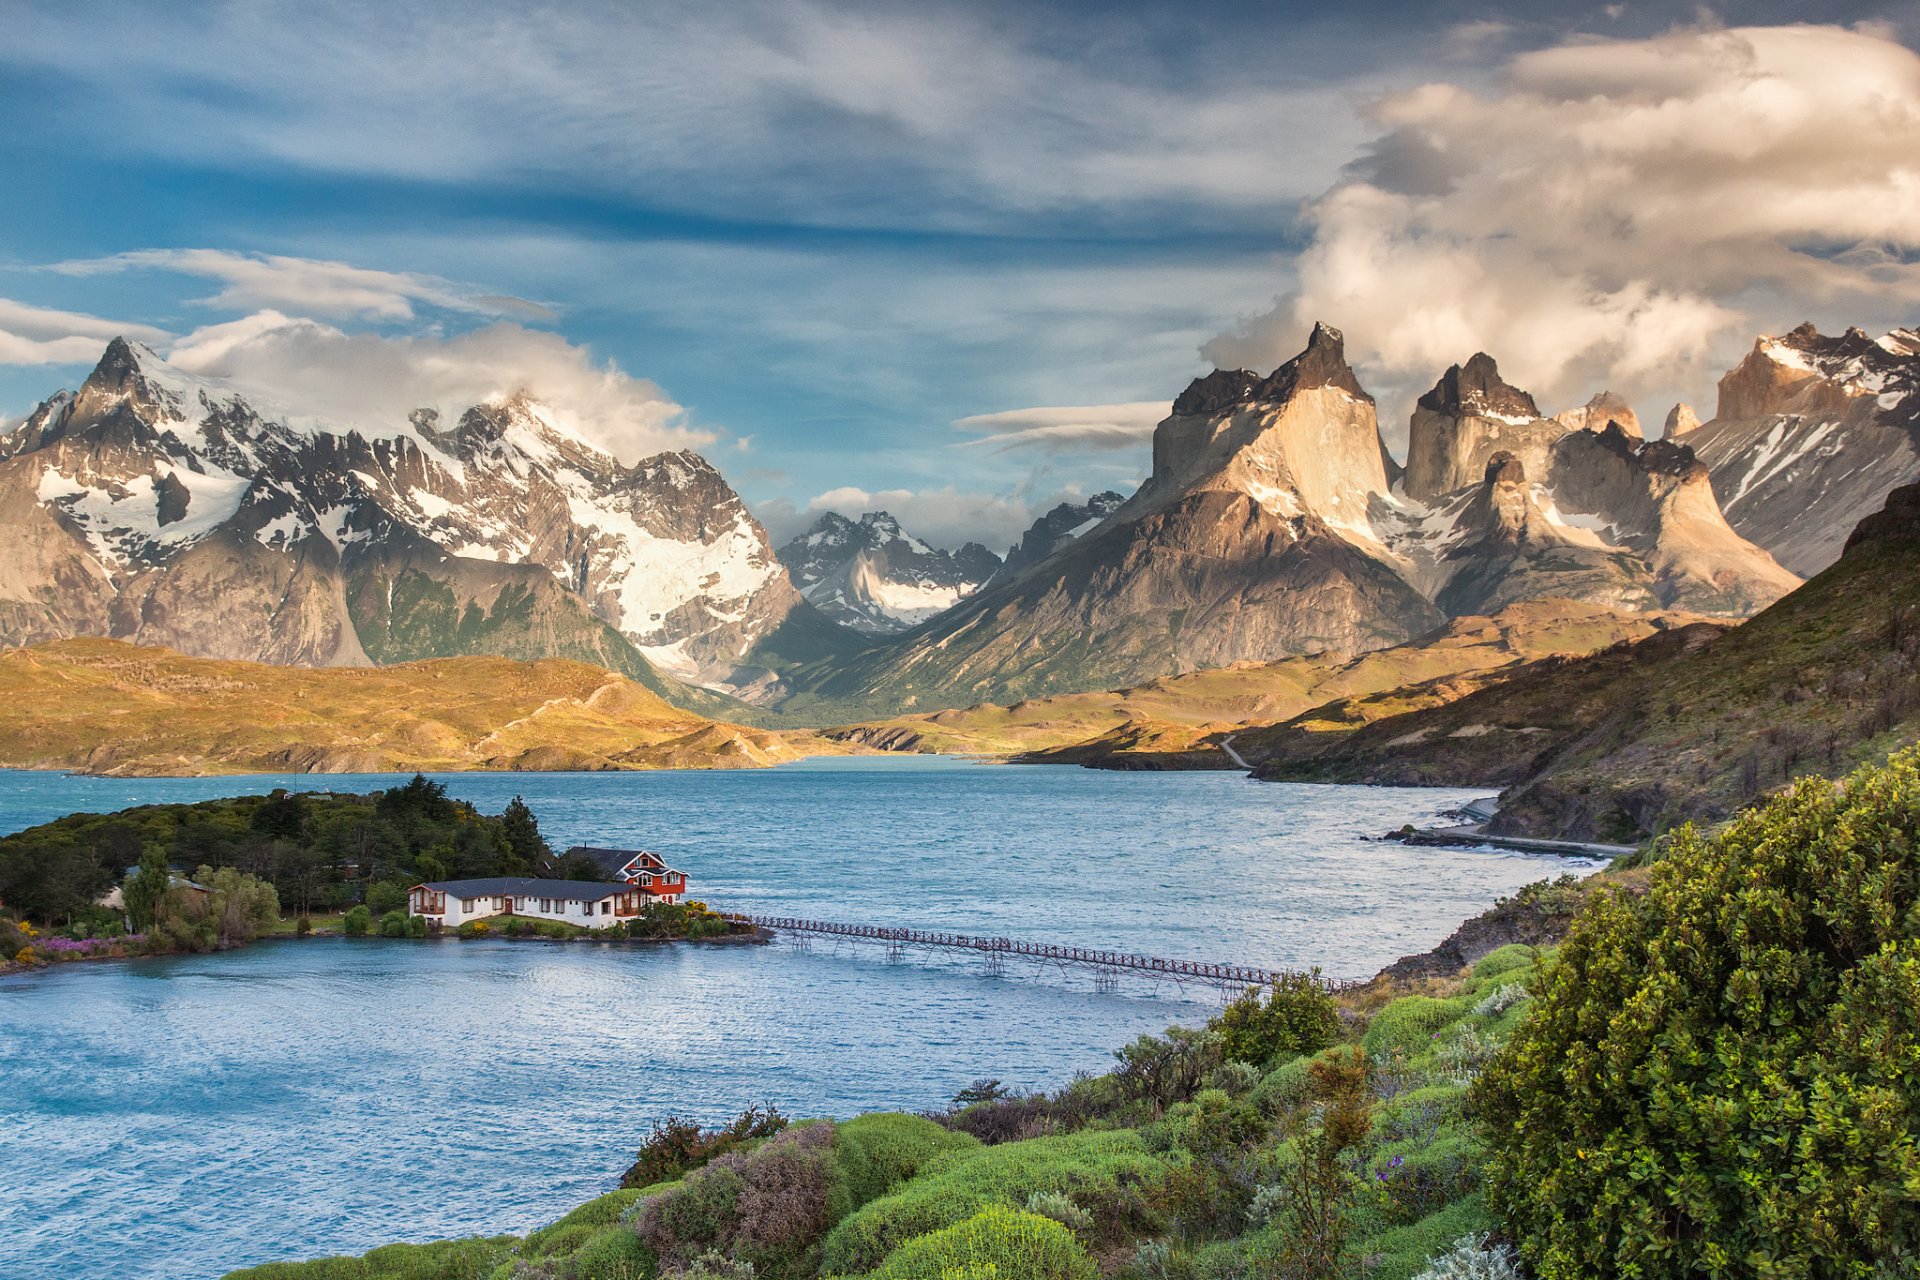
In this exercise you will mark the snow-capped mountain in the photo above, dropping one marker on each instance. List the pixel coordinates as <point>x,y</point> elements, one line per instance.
<point>875,577</point>
<point>1811,435</point>
<point>1056,529</point>
<point>168,509</point>
<point>1275,523</point>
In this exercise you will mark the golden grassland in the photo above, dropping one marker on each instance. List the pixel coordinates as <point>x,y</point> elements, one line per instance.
<point>104,706</point>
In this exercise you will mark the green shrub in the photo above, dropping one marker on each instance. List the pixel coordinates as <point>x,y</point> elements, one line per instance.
<point>1720,1078</point>
<point>1505,960</point>
<point>1017,1246</point>
<point>1104,1173</point>
<point>677,1145</point>
<point>603,1212</point>
<point>384,896</point>
<point>1402,1252</point>
<point>1297,1016</point>
<point>769,1206</point>
<point>873,1154</point>
<point>472,1259</point>
<point>1283,1089</point>
<point>474,929</point>
<point>393,925</point>
<point>357,922</point>
<point>1409,1024</point>
<point>416,926</point>
<point>613,1253</point>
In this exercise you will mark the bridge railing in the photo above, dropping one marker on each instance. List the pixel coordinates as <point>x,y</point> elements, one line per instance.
<point>1197,970</point>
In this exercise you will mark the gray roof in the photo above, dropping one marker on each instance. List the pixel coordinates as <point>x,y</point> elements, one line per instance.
<point>526,887</point>
<point>612,860</point>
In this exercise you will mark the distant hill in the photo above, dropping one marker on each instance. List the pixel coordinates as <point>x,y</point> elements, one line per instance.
<point>1692,724</point>
<point>104,706</point>
<point>1139,727</point>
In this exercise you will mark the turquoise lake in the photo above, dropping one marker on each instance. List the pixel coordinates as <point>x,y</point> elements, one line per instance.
<point>177,1118</point>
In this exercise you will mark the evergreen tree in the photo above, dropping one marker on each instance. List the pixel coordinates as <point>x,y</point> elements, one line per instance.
<point>146,888</point>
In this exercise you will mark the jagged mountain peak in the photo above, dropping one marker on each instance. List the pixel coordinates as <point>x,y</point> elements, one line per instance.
<point>1595,414</point>
<point>1323,363</point>
<point>1681,419</point>
<point>1477,389</point>
<point>872,575</point>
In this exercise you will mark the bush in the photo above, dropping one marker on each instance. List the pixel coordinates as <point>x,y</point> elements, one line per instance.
<point>676,1145</point>
<point>1017,1246</point>
<point>1105,1173</point>
<point>1298,1016</point>
<point>472,1259</point>
<point>1472,1258</point>
<point>474,929</point>
<point>393,925</point>
<point>384,896</point>
<point>357,922</point>
<point>769,1206</point>
<point>1720,1078</point>
<point>873,1154</point>
<point>612,1254</point>
<point>1409,1024</point>
<point>416,926</point>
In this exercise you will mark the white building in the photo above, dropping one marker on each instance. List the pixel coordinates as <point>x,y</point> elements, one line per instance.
<point>452,903</point>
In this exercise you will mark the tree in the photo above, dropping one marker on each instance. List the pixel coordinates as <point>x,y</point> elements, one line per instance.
<point>146,889</point>
<point>241,907</point>
<point>1298,1016</point>
<point>525,844</point>
<point>384,896</point>
<point>1719,1078</point>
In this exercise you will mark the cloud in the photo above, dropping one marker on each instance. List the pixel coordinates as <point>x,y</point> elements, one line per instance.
<point>1617,212</point>
<point>371,382</point>
<point>39,335</point>
<point>308,286</point>
<point>1095,426</point>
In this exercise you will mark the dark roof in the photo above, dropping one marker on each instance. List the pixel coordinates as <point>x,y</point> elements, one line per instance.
<point>526,887</point>
<point>612,860</point>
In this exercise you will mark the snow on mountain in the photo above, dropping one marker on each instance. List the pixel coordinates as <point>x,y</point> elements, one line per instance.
<point>147,469</point>
<point>1055,529</point>
<point>1810,436</point>
<point>875,577</point>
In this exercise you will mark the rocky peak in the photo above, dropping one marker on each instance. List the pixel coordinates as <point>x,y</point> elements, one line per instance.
<point>1504,468</point>
<point>1595,414</point>
<point>1217,392</point>
<point>1680,420</point>
<point>1476,389</point>
<point>1323,363</point>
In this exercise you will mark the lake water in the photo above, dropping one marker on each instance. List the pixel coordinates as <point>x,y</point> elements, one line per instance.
<point>176,1118</point>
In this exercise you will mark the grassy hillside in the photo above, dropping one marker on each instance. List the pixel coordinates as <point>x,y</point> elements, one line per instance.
<point>104,706</point>
<point>1181,713</point>
<point>1691,725</point>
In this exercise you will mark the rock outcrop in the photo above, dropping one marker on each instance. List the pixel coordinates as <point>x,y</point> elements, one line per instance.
<point>1810,436</point>
<point>1055,529</point>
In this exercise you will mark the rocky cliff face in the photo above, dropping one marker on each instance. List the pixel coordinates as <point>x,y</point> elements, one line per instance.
<point>166,509</point>
<point>875,577</point>
<point>1056,529</point>
<point>1810,436</point>
<point>1561,507</point>
<point>1251,539</point>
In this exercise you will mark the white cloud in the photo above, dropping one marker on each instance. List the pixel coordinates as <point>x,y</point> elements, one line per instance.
<point>1618,212</point>
<point>309,286</point>
<point>372,382</point>
<point>40,335</point>
<point>1097,426</point>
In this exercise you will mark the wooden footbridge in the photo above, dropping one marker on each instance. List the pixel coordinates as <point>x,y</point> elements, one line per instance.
<point>1108,966</point>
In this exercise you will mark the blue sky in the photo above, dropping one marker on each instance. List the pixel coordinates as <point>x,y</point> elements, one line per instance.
<point>949,259</point>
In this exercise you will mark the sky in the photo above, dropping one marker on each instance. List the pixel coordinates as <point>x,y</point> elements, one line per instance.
<point>951,260</point>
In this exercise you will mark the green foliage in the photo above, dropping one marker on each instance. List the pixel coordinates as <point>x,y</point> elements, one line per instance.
<point>146,888</point>
<point>676,1145</point>
<point>1473,1257</point>
<point>1104,1173</point>
<point>1506,960</point>
<point>1297,1016</point>
<point>393,924</point>
<point>583,1222</point>
<point>473,1259</point>
<point>1721,1078</point>
<point>357,923</point>
<point>768,1206</point>
<point>876,1153</point>
<point>1409,1025</point>
<point>1015,1244</point>
<point>611,1254</point>
<point>384,896</point>
<point>318,850</point>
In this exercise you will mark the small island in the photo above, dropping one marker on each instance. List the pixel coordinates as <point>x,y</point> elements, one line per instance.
<point>409,862</point>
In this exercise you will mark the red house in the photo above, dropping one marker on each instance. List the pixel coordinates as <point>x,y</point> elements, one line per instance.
<point>639,867</point>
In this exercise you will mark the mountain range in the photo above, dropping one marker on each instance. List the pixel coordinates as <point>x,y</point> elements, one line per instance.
<point>875,577</point>
<point>166,509</point>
